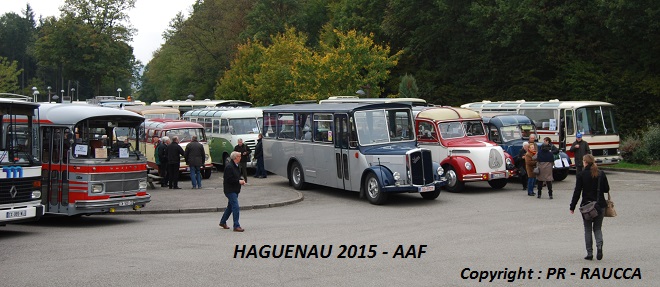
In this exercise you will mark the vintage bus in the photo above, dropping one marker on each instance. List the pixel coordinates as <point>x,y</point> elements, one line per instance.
<point>459,141</point>
<point>184,130</point>
<point>510,131</point>
<point>20,176</point>
<point>189,105</point>
<point>562,120</point>
<point>154,112</point>
<point>351,146</point>
<point>224,126</point>
<point>415,102</point>
<point>91,160</point>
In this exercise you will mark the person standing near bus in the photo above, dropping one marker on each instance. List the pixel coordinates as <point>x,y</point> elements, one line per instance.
<point>174,153</point>
<point>520,163</point>
<point>546,161</point>
<point>245,157</point>
<point>579,149</point>
<point>530,164</point>
<point>194,155</point>
<point>161,156</point>
<point>231,186</point>
<point>259,156</point>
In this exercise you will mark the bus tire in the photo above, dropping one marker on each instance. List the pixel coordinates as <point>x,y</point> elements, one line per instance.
<point>453,184</point>
<point>206,174</point>
<point>497,183</point>
<point>431,195</point>
<point>225,160</point>
<point>373,191</point>
<point>559,175</point>
<point>296,176</point>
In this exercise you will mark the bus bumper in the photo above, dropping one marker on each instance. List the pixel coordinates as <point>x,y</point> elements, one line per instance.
<point>113,204</point>
<point>437,185</point>
<point>21,212</point>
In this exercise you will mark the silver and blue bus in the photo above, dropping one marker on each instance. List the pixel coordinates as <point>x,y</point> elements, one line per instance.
<point>362,147</point>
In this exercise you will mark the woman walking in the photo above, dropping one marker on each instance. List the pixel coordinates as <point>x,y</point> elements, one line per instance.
<point>546,161</point>
<point>591,184</point>
<point>530,164</point>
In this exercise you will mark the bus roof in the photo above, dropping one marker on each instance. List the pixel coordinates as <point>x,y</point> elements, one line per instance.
<point>508,120</point>
<point>352,99</point>
<point>18,102</point>
<point>145,110</point>
<point>74,113</point>
<point>533,104</point>
<point>206,103</point>
<point>170,124</point>
<point>225,112</point>
<point>333,107</point>
<point>445,113</point>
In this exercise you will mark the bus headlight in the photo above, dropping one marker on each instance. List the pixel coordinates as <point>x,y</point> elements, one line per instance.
<point>468,166</point>
<point>508,161</point>
<point>396,175</point>
<point>440,171</point>
<point>97,188</point>
<point>143,184</point>
<point>36,194</point>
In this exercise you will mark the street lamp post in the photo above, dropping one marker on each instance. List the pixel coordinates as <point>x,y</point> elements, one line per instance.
<point>191,96</point>
<point>56,97</point>
<point>35,94</point>
<point>48,88</point>
<point>119,92</point>
<point>73,91</point>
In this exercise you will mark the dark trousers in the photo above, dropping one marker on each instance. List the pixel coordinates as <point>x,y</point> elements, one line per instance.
<point>162,172</point>
<point>173,175</point>
<point>243,168</point>
<point>578,169</point>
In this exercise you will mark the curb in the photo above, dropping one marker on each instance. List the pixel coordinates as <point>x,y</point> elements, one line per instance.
<point>629,170</point>
<point>213,209</point>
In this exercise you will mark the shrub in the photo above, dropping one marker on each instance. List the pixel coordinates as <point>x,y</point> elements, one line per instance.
<point>651,142</point>
<point>632,150</point>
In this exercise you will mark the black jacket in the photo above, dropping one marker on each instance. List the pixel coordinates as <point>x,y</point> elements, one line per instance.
<point>244,148</point>
<point>546,153</point>
<point>587,186</point>
<point>194,154</point>
<point>161,153</point>
<point>174,150</point>
<point>259,149</point>
<point>232,175</point>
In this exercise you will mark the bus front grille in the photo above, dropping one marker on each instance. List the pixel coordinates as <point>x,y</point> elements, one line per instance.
<point>15,190</point>
<point>120,182</point>
<point>421,167</point>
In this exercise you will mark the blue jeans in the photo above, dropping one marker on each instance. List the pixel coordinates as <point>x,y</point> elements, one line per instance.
<point>261,170</point>
<point>232,209</point>
<point>196,176</point>
<point>531,182</point>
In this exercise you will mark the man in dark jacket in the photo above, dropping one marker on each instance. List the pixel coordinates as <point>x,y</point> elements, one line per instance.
<point>579,149</point>
<point>259,156</point>
<point>231,184</point>
<point>245,157</point>
<point>195,159</point>
<point>174,151</point>
<point>161,159</point>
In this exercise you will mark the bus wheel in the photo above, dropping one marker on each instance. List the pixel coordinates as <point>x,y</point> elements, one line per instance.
<point>453,184</point>
<point>431,195</point>
<point>206,174</point>
<point>296,177</point>
<point>559,175</point>
<point>225,160</point>
<point>497,183</point>
<point>373,191</point>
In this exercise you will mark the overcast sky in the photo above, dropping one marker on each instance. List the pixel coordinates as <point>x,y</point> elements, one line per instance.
<point>150,17</point>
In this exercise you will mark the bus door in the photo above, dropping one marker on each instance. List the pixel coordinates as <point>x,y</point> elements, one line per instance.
<point>341,139</point>
<point>55,183</point>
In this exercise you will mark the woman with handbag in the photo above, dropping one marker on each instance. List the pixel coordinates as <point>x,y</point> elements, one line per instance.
<point>530,164</point>
<point>591,185</point>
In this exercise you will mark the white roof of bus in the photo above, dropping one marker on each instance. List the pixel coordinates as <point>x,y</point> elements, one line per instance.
<point>73,113</point>
<point>532,104</point>
<point>352,99</point>
<point>229,113</point>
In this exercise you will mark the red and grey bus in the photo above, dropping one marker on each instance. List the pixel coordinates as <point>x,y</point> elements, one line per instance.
<point>91,161</point>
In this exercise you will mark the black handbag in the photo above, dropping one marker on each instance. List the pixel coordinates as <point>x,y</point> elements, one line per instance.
<point>589,211</point>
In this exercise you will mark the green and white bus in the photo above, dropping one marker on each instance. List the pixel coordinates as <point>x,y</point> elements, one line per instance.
<point>224,126</point>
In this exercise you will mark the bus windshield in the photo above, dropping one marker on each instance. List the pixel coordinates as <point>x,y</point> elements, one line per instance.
<point>383,126</point>
<point>16,143</point>
<point>595,120</point>
<point>243,126</point>
<point>185,135</point>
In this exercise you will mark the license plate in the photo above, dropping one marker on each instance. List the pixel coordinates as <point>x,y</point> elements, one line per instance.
<point>427,188</point>
<point>125,203</point>
<point>18,213</point>
<point>497,175</point>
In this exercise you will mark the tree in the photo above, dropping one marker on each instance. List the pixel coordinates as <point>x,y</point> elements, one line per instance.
<point>408,87</point>
<point>9,73</point>
<point>17,36</point>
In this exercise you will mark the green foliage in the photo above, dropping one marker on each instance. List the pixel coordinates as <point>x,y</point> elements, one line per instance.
<point>9,73</point>
<point>236,82</point>
<point>408,87</point>
<point>630,150</point>
<point>651,142</point>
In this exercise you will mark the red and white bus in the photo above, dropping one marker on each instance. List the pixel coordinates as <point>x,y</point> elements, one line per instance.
<point>184,130</point>
<point>20,169</point>
<point>90,158</point>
